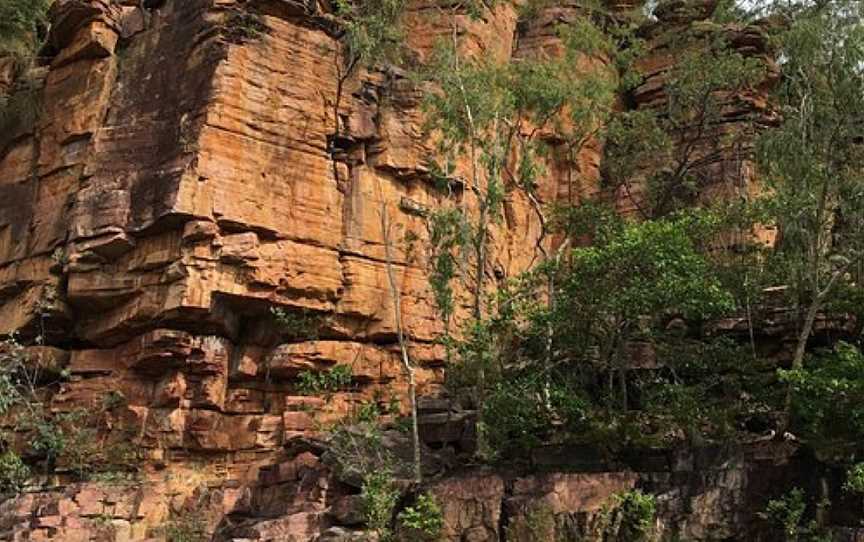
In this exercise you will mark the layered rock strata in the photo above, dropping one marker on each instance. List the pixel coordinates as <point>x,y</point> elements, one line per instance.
<point>193,165</point>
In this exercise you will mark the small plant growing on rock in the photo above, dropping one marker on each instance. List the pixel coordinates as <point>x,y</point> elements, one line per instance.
<point>637,511</point>
<point>423,519</point>
<point>786,512</point>
<point>243,25</point>
<point>60,439</point>
<point>13,473</point>
<point>188,524</point>
<point>379,495</point>
<point>303,325</point>
<point>330,381</point>
<point>628,517</point>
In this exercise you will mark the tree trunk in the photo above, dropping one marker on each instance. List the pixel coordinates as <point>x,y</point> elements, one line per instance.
<point>403,345</point>
<point>803,338</point>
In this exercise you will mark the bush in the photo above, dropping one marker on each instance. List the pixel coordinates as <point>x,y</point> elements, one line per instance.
<point>379,496</point>
<point>786,512</point>
<point>332,380</point>
<point>627,517</point>
<point>13,473</point>
<point>303,325</point>
<point>242,26</point>
<point>855,479</point>
<point>636,511</point>
<point>828,401</point>
<point>526,412</point>
<point>424,519</point>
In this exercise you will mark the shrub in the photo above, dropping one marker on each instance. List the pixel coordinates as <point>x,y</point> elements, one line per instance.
<point>538,523</point>
<point>636,511</point>
<point>379,496</point>
<point>786,512</point>
<point>627,517</point>
<point>187,527</point>
<point>423,519</point>
<point>332,380</point>
<point>303,325</point>
<point>13,473</point>
<point>526,411</point>
<point>855,479</point>
<point>242,25</point>
<point>827,399</point>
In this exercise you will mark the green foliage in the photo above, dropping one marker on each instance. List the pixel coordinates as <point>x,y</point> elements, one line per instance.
<point>242,25</point>
<point>187,526</point>
<point>787,512</point>
<point>527,413</point>
<point>855,479</point>
<point>828,401</point>
<point>19,24</point>
<point>379,496</point>
<point>329,381</point>
<point>14,473</point>
<point>303,324</point>
<point>368,413</point>
<point>708,388</point>
<point>787,515</point>
<point>64,436</point>
<point>628,516</point>
<point>423,519</point>
<point>640,271</point>
<point>624,287</point>
<point>356,450</point>
<point>447,228</point>
<point>664,146</point>
<point>646,268</point>
<point>480,110</point>
<point>812,161</point>
<point>371,30</point>
<point>535,524</point>
<point>113,399</point>
<point>65,441</point>
<point>637,511</point>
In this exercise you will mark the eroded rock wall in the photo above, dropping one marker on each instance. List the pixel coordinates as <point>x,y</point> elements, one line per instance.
<point>187,172</point>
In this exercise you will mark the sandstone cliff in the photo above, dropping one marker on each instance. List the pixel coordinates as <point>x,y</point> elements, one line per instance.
<point>189,169</point>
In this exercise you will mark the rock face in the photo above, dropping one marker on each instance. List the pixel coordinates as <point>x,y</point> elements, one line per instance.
<point>188,171</point>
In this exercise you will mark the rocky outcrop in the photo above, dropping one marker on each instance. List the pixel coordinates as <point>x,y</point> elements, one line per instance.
<point>191,167</point>
<point>715,147</point>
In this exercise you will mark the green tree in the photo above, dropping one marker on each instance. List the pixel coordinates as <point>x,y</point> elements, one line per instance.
<point>664,154</point>
<point>370,33</point>
<point>812,162</point>
<point>633,274</point>
<point>828,402</point>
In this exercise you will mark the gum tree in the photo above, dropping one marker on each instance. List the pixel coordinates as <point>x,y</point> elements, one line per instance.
<point>813,162</point>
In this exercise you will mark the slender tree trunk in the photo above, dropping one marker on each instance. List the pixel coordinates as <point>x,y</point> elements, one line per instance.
<point>550,340</point>
<point>480,254</point>
<point>403,344</point>
<point>804,337</point>
<point>824,502</point>
<point>810,319</point>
